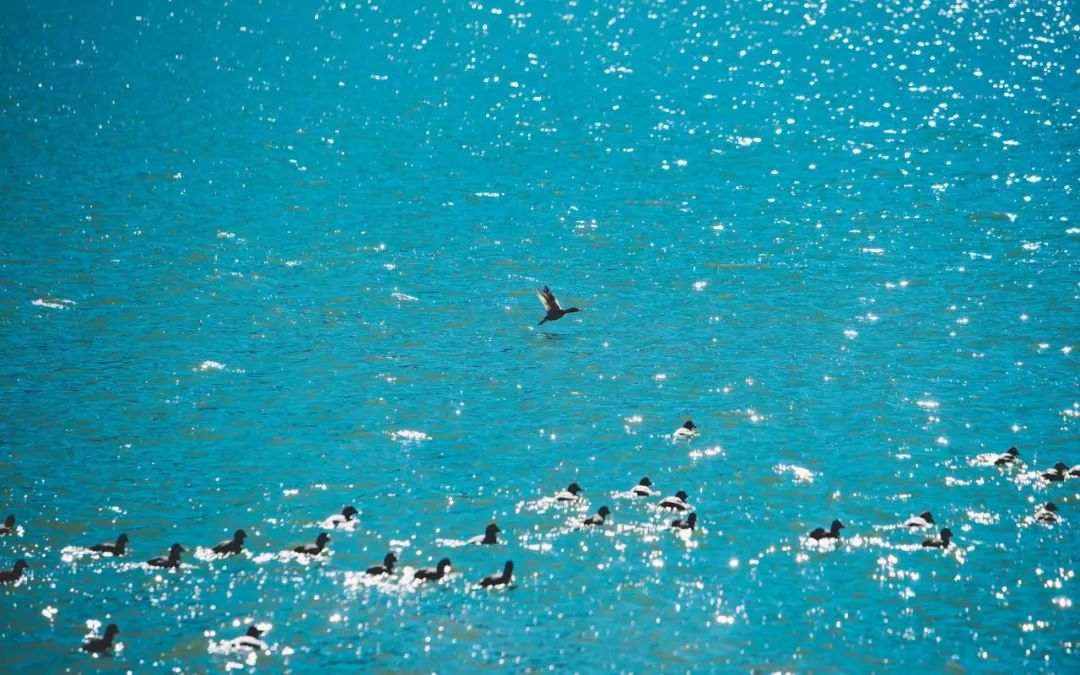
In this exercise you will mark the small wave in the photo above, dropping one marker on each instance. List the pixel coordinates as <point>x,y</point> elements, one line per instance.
<point>799,474</point>
<point>53,303</point>
<point>209,365</point>
<point>706,452</point>
<point>409,436</point>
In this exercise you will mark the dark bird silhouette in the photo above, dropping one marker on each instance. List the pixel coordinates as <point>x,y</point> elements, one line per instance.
<point>942,542</point>
<point>1047,514</point>
<point>9,525</point>
<point>689,524</point>
<point>232,546</point>
<point>922,520</point>
<point>346,516</point>
<point>102,644</point>
<point>1007,457</point>
<point>833,533</point>
<point>644,488</point>
<point>687,430</point>
<point>172,561</point>
<point>554,311</point>
<point>386,568</point>
<point>502,579</point>
<point>15,574</point>
<point>599,517</point>
<point>675,503</point>
<point>1057,473</point>
<point>433,573</point>
<point>488,538</point>
<point>569,494</point>
<point>316,548</point>
<point>119,548</point>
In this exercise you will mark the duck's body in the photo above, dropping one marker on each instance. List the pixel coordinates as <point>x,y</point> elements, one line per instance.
<point>15,574</point>
<point>386,568</point>
<point>233,546</point>
<point>939,542</point>
<point>502,579</point>
<point>343,519</point>
<point>433,573</point>
<point>1056,474</point>
<point>832,533</point>
<point>251,641</point>
<point>644,488</point>
<point>676,502</point>
<point>117,549</point>
<point>687,431</point>
<point>316,548</point>
<point>599,517</point>
<point>170,562</point>
<point>554,311</point>
<point>570,494</point>
<point>1007,457</point>
<point>1073,473</point>
<point>689,524</point>
<point>9,525</point>
<point>1047,514</point>
<point>919,522</point>
<point>102,644</point>
<point>489,537</point>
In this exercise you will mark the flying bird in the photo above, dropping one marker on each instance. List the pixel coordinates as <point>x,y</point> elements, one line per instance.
<point>554,311</point>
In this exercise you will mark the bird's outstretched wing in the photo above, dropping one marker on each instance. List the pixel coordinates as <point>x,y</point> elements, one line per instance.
<point>547,298</point>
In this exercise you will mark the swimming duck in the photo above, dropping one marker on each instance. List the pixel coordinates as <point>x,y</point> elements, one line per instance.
<point>249,642</point>
<point>689,524</point>
<point>920,521</point>
<point>1007,457</point>
<point>232,546</point>
<point>488,538</point>
<point>833,533</point>
<point>117,549</point>
<point>554,311</point>
<point>1047,514</point>
<point>939,542</point>
<point>644,488</point>
<point>599,517</point>
<point>9,525</point>
<point>386,568</point>
<point>316,548</point>
<point>1057,473</point>
<point>687,431</point>
<point>15,574</point>
<point>676,502</point>
<point>172,561</point>
<point>339,519</point>
<point>433,573</point>
<point>102,644</point>
<point>570,494</point>
<point>499,579</point>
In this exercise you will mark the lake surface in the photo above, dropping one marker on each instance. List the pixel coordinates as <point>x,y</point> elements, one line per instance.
<point>259,262</point>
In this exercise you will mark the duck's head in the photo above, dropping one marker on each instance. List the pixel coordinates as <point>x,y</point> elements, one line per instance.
<point>349,512</point>
<point>1050,506</point>
<point>10,521</point>
<point>444,565</point>
<point>927,517</point>
<point>1012,451</point>
<point>122,540</point>
<point>390,560</point>
<point>1061,467</point>
<point>111,631</point>
<point>573,488</point>
<point>254,632</point>
<point>322,539</point>
<point>689,425</point>
<point>20,565</point>
<point>946,534</point>
<point>691,519</point>
<point>645,481</point>
<point>508,568</point>
<point>240,535</point>
<point>837,526</point>
<point>604,512</point>
<point>682,495</point>
<point>491,529</point>
<point>176,550</point>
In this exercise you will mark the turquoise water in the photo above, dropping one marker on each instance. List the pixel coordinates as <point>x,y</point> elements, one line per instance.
<point>258,263</point>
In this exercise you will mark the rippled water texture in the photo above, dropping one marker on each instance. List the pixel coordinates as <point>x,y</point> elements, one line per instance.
<point>258,263</point>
